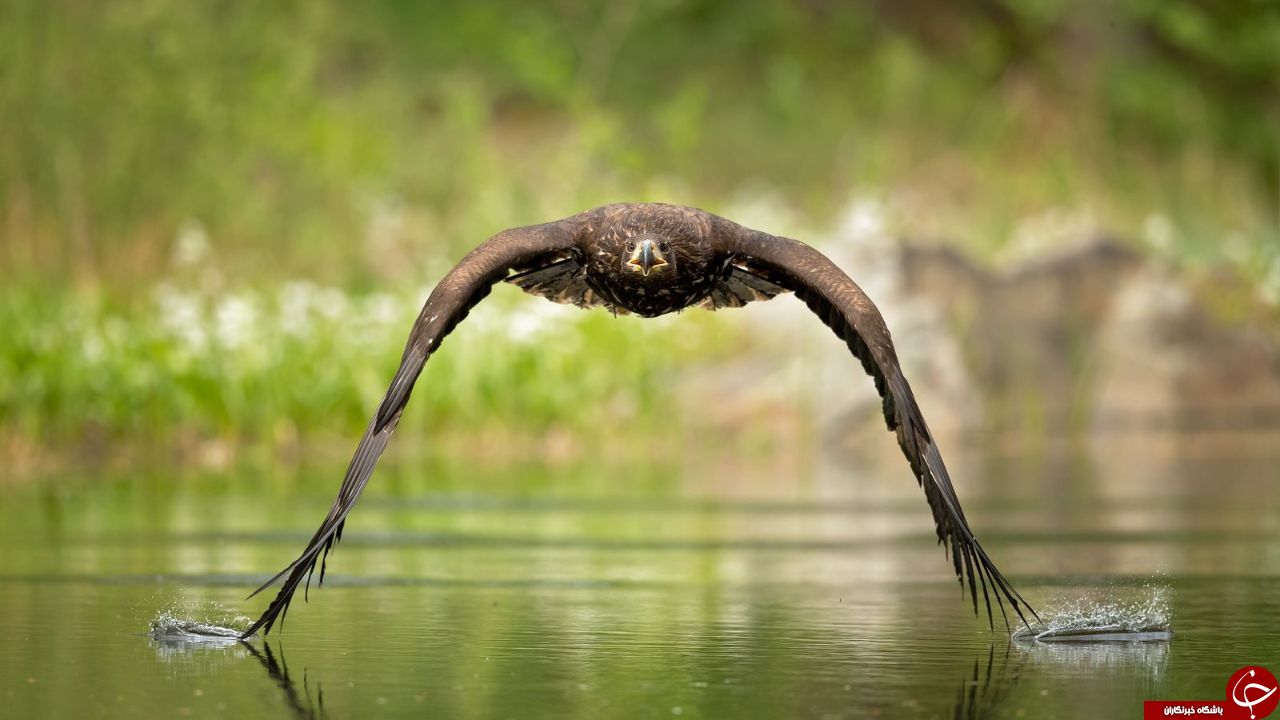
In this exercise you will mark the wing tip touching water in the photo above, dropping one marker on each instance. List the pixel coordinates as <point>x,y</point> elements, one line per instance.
<point>327,535</point>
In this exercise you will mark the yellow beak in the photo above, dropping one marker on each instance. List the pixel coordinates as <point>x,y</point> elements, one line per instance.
<point>646,257</point>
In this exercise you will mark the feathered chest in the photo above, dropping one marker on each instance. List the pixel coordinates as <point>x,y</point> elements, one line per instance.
<point>604,279</point>
<point>653,295</point>
<point>651,271</point>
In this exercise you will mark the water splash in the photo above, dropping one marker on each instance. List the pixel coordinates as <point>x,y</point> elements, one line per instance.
<point>205,625</point>
<point>1099,619</point>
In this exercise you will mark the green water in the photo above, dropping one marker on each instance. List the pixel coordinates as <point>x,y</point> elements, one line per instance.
<point>711,588</point>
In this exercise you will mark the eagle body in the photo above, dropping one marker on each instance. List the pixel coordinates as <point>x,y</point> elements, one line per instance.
<point>696,265</point>
<point>650,259</point>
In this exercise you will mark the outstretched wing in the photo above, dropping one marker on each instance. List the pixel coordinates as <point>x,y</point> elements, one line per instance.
<point>847,310</point>
<point>465,285</point>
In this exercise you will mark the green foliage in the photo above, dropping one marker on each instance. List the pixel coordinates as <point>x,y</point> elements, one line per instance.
<point>311,360</point>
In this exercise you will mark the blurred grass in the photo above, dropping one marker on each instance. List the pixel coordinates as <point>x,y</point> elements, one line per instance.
<point>312,361</point>
<point>214,154</point>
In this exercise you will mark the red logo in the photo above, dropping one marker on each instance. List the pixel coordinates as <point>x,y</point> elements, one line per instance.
<point>1253,688</point>
<point>1252,694</point>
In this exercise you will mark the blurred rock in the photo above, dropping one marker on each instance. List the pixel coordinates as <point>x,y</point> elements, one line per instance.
<point>1028,336</point>
<point>1092,339</point>
<point>1095,341</point>
<point>1167,363</point>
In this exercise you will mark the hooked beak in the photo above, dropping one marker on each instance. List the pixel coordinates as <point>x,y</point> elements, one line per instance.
<point>646,257</point>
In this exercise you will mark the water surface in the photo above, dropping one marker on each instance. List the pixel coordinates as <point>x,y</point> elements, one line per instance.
<point>596,591</point>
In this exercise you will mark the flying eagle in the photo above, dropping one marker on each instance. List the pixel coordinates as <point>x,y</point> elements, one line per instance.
<point>651,259</point>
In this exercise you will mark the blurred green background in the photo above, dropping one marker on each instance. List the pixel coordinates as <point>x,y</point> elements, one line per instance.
<point>218,219</point>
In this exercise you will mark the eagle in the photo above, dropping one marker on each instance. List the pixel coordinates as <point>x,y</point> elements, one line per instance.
<point>650,259</point>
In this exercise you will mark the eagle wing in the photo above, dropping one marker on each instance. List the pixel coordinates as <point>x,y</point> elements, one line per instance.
<point>526,249</point>
<point>742,283</point>
<point>563,280</point>
<point>847,310</point>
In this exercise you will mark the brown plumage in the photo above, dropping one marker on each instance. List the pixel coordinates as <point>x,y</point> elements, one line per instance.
<point>650,259</point>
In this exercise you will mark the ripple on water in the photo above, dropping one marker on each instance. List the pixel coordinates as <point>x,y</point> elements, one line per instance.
<point>1144,616</point>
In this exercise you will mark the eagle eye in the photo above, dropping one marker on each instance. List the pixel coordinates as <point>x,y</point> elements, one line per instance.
<point>664,246</point>
<point>631,247</point>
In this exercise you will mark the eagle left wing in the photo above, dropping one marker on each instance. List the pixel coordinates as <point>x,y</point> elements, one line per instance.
<point>847,310</point>
<point>742,282</point>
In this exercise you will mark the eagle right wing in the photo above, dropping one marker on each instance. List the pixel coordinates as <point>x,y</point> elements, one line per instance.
<point>466,285</point>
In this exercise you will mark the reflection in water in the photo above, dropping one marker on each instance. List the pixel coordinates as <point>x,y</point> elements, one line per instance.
<point>1135,659</point>
<point>982,692</point>
<point>991,680</point>
<point>301,705</point>
<point>979,693</point>
<point>200,654</point>
<point>207,646</point>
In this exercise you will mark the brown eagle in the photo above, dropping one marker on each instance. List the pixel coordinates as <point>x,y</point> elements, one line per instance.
<point>651,259</point>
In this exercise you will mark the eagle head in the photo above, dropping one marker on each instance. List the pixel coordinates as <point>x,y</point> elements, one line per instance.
<point>647,254</point>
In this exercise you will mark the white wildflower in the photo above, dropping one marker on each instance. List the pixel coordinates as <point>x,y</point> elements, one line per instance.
<point>235,321</point>
<point>192,244</point>
<point>381,310</point>
<point>182,317</point>
<point>332,303</point>
<point>376,315</point>
<point>93,348</point>
<point>296,301</point>
<point>526,324</point>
